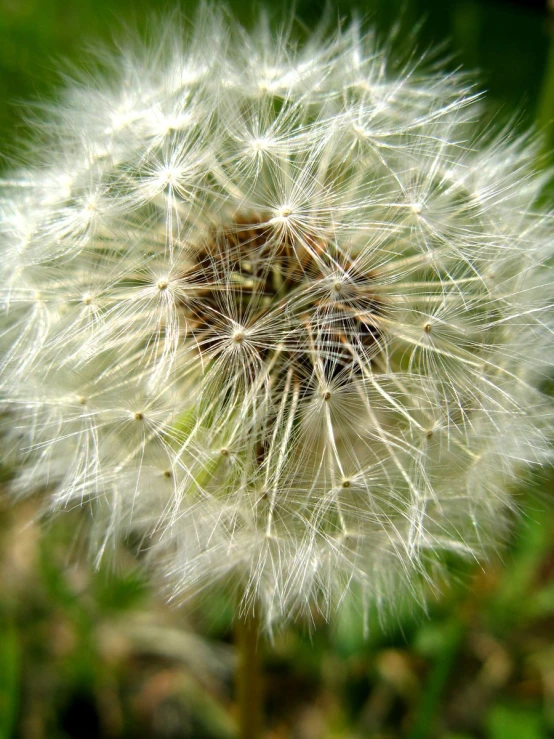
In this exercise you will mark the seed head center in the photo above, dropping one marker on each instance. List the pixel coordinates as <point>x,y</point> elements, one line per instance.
<point>273,288</point>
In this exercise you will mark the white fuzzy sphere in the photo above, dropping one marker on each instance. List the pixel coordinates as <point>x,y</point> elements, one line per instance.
<point>280,311</point>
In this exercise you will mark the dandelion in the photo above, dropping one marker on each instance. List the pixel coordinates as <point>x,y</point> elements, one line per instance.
<point>281,310</point>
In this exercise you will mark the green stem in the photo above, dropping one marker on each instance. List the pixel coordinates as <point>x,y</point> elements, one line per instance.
<point>249,676</point>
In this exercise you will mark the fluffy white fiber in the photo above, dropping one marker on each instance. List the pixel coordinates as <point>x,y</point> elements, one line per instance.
<point>280,310</point>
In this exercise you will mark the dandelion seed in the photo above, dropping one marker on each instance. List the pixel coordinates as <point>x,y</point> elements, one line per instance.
<point>326,294</point>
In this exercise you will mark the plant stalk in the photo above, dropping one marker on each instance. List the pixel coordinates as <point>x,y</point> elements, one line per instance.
<point>249,688</point>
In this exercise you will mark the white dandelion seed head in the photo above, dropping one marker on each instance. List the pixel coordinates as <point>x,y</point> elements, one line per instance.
<point>279,309</point>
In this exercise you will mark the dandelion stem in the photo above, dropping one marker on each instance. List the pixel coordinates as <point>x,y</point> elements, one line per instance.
<point>249,676</point>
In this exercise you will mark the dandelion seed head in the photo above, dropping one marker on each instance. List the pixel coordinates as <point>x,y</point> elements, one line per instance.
<point>280,310</point>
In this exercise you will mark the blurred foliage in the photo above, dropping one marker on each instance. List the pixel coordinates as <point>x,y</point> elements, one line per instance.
<point>94,655</point>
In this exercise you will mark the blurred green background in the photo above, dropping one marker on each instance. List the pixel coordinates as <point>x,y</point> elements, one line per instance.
<point>94,654</point>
